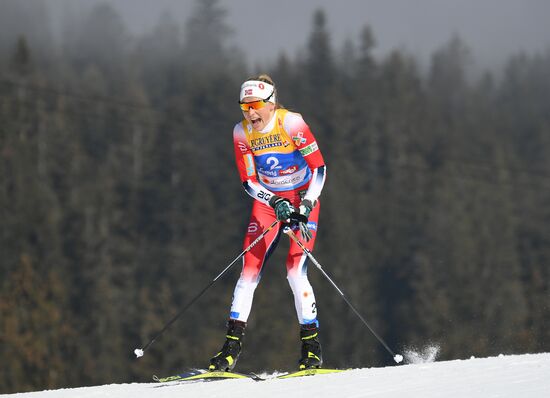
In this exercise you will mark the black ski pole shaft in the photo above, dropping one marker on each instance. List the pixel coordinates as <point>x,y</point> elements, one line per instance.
<point>287,230</point>
<point>140,351</point>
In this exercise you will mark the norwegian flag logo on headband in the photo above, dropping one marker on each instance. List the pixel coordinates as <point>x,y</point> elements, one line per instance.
<point>258,89</point>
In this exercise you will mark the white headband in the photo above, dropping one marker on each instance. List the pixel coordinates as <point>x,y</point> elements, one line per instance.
<point>256,88</point>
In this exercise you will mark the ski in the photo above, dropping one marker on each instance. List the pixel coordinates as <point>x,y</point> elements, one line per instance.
<point>310,372</point>
<point>206,375</point>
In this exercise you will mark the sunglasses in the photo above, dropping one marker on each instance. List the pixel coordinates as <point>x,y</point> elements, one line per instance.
<point>246,106</point>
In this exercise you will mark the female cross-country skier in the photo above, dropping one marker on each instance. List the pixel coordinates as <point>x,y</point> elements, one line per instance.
<point>282,169</point>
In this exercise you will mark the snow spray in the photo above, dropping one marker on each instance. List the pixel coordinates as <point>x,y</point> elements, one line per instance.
<point>425,355</point>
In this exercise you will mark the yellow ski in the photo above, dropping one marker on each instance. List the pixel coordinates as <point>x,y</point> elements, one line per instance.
<point>200,374</point>
<point>310,372</point>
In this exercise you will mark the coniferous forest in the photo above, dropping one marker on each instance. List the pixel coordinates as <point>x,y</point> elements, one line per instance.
<point>120,200</point>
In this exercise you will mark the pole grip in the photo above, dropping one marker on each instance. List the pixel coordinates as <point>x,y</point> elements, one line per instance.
<point>298,217</point>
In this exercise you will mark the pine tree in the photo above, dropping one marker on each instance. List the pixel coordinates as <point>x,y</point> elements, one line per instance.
<point>206,33</point>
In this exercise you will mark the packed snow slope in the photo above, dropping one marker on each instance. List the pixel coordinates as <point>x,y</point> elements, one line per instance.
<point>522,376</point>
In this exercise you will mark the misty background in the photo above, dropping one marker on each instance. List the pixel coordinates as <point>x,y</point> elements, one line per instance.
<point>493,29</point>
<point>119,198</point>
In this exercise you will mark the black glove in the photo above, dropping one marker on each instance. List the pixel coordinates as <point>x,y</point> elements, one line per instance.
<point>283,208</point>
<point>305,209</point>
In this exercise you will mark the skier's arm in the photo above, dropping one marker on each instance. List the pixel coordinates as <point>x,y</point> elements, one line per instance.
<point>304,140</point>
<point>317,183</point>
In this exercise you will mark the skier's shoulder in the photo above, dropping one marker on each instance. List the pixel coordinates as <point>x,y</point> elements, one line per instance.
<point>288,115</point>
<point>292,121</point>
<point>238,129</point>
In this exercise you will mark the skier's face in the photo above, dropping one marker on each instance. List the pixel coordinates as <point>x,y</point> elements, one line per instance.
<point>259,113</point>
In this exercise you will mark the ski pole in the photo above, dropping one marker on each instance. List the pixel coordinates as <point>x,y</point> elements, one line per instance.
<point>287,230</point>
<point>140,351</point>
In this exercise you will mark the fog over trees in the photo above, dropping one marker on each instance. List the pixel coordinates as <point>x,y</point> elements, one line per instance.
<point>120,200</point>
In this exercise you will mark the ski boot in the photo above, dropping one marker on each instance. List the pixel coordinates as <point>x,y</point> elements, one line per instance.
<point>311,347</point>
<point>226,359</point>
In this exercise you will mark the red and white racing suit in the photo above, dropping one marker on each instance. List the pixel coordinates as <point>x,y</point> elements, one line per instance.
<point>283,159</point>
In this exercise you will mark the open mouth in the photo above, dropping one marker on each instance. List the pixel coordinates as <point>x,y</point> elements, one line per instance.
<point>256,121</point>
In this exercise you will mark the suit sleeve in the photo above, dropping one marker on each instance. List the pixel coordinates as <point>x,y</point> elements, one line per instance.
<point>247,167</point>
<point>305,142</point>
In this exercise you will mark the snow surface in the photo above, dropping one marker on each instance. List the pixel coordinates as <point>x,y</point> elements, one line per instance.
<point>522,376</point>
